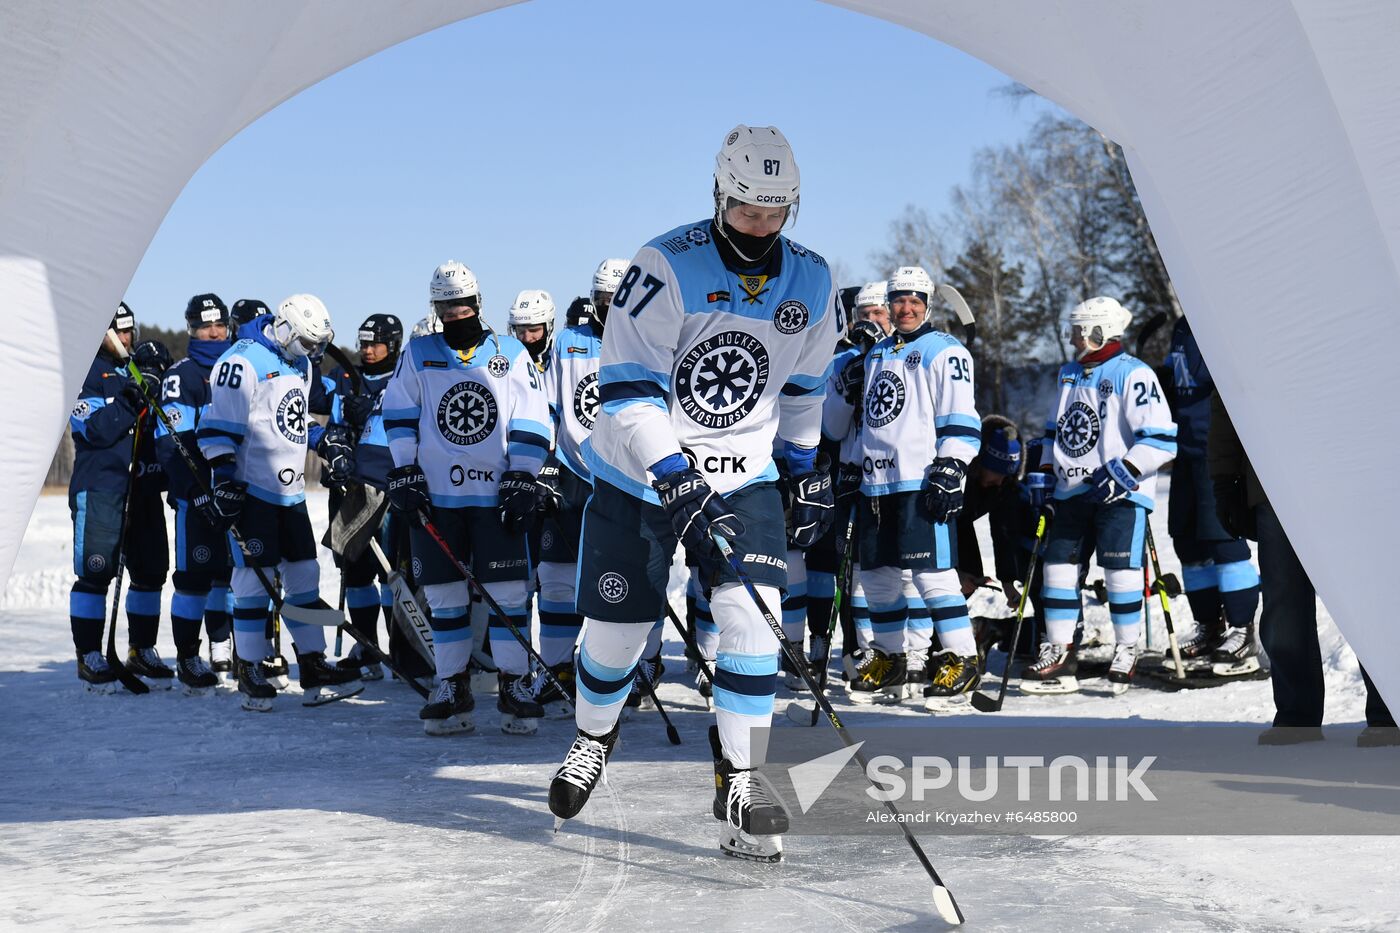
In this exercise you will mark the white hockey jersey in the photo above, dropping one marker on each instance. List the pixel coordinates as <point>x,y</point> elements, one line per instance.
<point>572,385</point>
<point>1113,409</point>
<point>918,405</point>
<point>258,412</point>
<point>700,359</point>
<point>466,417</point>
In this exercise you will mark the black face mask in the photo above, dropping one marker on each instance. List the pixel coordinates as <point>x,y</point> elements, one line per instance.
<point>383,366</point>
<point>463,333</point>
<point>751,249</point>
<point>535,348</point>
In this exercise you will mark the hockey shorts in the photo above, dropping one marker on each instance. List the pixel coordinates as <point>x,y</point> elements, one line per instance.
<point>200,548</point>
<point>97,529</point>
<point>628,545</point>
<point>1117,532</point>
<point>477,539</point>
<point>894,532</point>
<point>274,533</point>
<point>562,530</point>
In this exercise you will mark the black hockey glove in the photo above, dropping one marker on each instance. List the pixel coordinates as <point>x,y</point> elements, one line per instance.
<point>357,409</point>
<point>337,448</point>
<point>518,497</point>
<point>408,489</point>
<point>224,503</point>
<point>1232,507</point>
<point>695,510</point>
<point>942,492</point>
<point>152,359</point>
<point>850,381</point>
<point>1112,481</point>
<point>813,505</point>
<point>848,478</point>
<point>547,497</point>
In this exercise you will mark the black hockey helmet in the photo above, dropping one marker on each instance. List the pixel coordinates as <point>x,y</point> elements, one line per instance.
<point>244,310</point>
<point>124,319</point>
<point>208,308</point>
<point>383,328</point>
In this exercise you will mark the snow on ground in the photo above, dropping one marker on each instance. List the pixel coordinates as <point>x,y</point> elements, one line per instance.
<point>165,811</point>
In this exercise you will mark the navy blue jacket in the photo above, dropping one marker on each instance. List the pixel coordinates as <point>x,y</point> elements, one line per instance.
<point>185,397</point>
<point>103,424</point>
<point>1189,391</point>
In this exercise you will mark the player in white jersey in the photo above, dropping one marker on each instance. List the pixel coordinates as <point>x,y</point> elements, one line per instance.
<point>1110,434</point>
<point>571,385</point>
<point>719,337</point>
<point>468,428</point>
<point>531,322</point>
<point>254,436</point>
<point>919,432</point>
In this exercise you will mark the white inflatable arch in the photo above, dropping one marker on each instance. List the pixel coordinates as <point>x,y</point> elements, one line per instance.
<point>1264,137</point>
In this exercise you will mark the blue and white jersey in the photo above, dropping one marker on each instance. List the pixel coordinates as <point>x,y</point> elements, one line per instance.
<point>918,406</point>
<point>466,417</point>
<point>185,399</point>
<point>841,419</point>
<point>572,386</point>
<point>701,359</point>
<point>103,426</point>
<point>372,458</point>
<point>259,413</point>
<point>1112,409</point>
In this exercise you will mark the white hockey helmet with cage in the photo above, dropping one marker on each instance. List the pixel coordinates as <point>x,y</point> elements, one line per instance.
<point>1098,321</point>
<point>301,325</point>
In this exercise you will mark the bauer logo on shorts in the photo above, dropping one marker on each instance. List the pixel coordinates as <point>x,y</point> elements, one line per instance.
<point>96,563</point>
<point>1077,430</point>
<point>720,379</point>
<point>586,400</point>
<point>885,400</point>
<point>467,413</point>
<point>291,416</point>
<point>791,317</point>
<point>498,366</point>
<point>202,554</point>
<point>612,586</point>
<point>912,361</point>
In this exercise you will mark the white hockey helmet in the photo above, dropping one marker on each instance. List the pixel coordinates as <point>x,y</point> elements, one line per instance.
<point>531,308</point>
<point>1098,321</point>
<point>911,280</point>
<point>301,325</point>
<point>872,293</point>
<point>755,165</point>
<point>428,324</point>
<point>453,281</point>
<point>608,276</point>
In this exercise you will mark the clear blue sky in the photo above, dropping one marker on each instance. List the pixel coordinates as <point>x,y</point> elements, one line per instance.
<point>535,141</point>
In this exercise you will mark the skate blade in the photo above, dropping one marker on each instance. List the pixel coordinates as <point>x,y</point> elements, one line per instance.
<point>257,704</point>
<point>1118,689</point>
<point>952,704</point>
<point>513,725</point>
<point>452,725</point>
<point>861,697</point>
<point>277,681</point>
<point>106,689</point>
<point>320,696</point>
<point>736,843</point>
<point>199,691</point>
<point>158,683</point>
<point>889,698</point>
<point>1247,666</point>
<point>372,672</point>
<point>1057,687</point>
<point>558,709</point>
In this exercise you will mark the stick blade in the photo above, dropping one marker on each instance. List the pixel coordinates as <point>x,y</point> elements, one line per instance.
<point>309,615</point>
<point>800,715</point>
<point>947,907</point>
<point>985,704</point>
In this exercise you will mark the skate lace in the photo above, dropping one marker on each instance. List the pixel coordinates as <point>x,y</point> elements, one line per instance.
<point>584,764</point>
<point>255,674</point>
<point>195,666</point>
<point>744,789</point>
<point>949,672</point>
<point>95,661</point>
<point>446,692</point>
<point>875,668</point>
<point>1049,655</point>
<point>522,691</point>
<point>1124,657</point>
<point>150,657</point>
<point>1234,640</point>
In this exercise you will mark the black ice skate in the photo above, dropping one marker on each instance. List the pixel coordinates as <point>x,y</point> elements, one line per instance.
<point>557,705</point>
<point>1053,672</point>
<point>916,676</point>
<point>1121,670</point>
<point>520,712</point>
<point>146,664</point>
<point>706,689</point>
<point>275,671</point>
<point>753,819</point>
<point>322,682</point>
<point>952,682</point>
<point>584,766</point>
<point>195,676</point>
<point>879,678</point>
<point>355,661</point>
<point>221,657</point>
<point>1237,654</point>
<point>449,709</point>
<point>651,669</point>
<point>96,674</point>
<point>258,694</point>
<point>1196,651</point>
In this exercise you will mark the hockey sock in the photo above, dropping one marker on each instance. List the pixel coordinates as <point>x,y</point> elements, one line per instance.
<point>918,627</point>
<point>795,613</point>
<point>510,656</point>
<point>560,623</point>
<point>363,605</point>
<point>821,593</point>
<point>1239,591</point>
<point>653,645</point>
<point>946,609</point>
<point>142,615</point>
<point>706,632</point>
<point>746,669</point>
<point>1061,600</point>
<point>250,622</point>
<point>87,615</point>
<point>889,610</point>
<point>301,583</point>
<point>218,618</point>
<point>1125,603</point>
<point>607,662</point>
<point>186,612</point>
<point>1202,585</point>
<point>452,637</point>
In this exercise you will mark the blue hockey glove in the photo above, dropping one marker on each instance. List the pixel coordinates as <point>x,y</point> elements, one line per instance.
<point>942,492</point>
<point>408,489</point>
<point>695,510</point>
<point>850,381</point>
<point>547,497</point>
<point>1039,487</point>
<point>357,409</point>
<point>337,448</point>
<point>813,505</point>
<point>517,496</point>
<point>1112,481</point>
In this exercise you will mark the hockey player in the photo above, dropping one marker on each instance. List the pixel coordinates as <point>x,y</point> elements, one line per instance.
<point>1221,584</point>
<point>565,482</point>
<point>873,306</point>
<point>202,565</point>
<point>1110,433</point>
<point>911,490</point>
<point>243,311</point>
<point>106,422</point>
<point>532,323</point>
<point>719,336</point>
<point>255,434</point>
<point>468,428</point>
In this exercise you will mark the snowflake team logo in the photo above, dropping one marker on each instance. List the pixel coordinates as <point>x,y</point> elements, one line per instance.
<point>254,546</point>
<point>467,413</point>
<point>546,540</point>
<point>586,400</point>
<point>498,366</point>
<point>697,235</point>
<point>884,400</point>
<point>96,563</point>
<point>721,378</point>
<point>612,587</point>
<point>175,417</point>
<point>291,416</point>
<point>1077,431</point>
<point>202,554</point>
<point>1105,389</point>
<point>797,248</point>
<point>791,317</point>
<point>912,361</point>
<point>82,410</point>
<point>417,568</point>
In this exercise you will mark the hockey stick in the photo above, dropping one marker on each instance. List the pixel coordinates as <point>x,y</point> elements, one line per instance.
<point>692,644</point>
<point>956,301</point>
<point>943,901</point>
<point>302,615</point>
<point>1161,589</point>
<point>980,701</point>
<point>128,680</point>
<point>408,614</point>
<point>495,607</point>
<point>796,712</point>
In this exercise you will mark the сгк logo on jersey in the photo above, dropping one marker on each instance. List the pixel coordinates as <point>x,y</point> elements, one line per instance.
<point>720,379</point>
<point>467,413</point>
<point>291,416</point>
<point>1077,431</point>
<point>884,400</point>
<point>586,400</point>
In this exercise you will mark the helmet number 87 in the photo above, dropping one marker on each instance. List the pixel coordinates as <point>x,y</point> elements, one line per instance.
<point>772,166</point>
